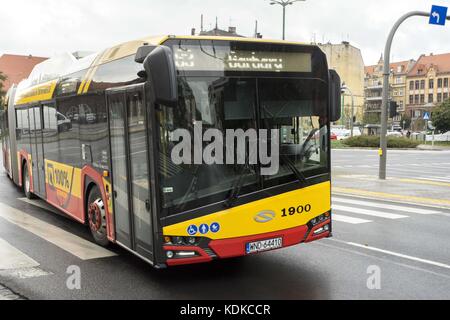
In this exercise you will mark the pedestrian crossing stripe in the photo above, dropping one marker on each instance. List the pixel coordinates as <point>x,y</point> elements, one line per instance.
<point>73,244</point>
<point>384,206</point>
<point>373,213</point>
<point>12,258</point>
<point>347,219</point>
<point>342,205</point>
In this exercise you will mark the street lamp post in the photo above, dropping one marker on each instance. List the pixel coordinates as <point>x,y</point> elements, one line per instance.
<point>284,4</point>
<point>386,73</point>
<point>346,88</point>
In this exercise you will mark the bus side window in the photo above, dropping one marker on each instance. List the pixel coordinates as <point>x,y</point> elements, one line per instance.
<point>50,131</point>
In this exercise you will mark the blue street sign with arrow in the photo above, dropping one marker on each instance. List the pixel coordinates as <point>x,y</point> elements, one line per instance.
<point>438,15</point>
<point>426,116</point>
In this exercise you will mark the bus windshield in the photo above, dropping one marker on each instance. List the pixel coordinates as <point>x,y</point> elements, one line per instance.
<point>296,107</point>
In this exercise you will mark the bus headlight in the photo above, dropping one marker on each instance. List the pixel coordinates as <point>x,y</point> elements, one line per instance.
<point>182,241</point>
<point>322,218</point>
<point>178,240</point>
<point>169,254</point>
<point>321,230</point>
<point>192,240</point>
<point>185,254</point>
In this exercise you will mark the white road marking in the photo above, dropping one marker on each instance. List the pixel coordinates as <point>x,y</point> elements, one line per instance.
<point>400,255</point>
<point>38,203</point>
<point>369,212</point>
<point>347,219</point>
<point>384,206</point>
<point>6,294</point>
<point>67,241</point>
<point>12,258</point>
<point>24,273</point>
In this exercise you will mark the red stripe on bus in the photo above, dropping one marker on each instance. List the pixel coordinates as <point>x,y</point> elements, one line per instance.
<point>228,248</point>
<point>72,208</point>
<point>203,256</point>
<point>312,237</point>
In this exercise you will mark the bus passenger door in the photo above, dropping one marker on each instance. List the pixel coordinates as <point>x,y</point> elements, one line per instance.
<point>129,168</point>
<point>37,150</point>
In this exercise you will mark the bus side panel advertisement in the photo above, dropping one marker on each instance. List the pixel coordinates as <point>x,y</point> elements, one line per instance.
<point>63,187</point>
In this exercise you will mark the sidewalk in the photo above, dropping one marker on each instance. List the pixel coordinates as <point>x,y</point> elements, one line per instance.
<point>430,147</point>
<point>404,190</point>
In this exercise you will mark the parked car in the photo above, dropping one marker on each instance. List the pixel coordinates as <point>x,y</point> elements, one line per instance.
<point>394,134</point>
<point>64,123</point>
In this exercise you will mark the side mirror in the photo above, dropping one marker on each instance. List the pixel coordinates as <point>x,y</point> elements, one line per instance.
<point>335,96</point>
<point>160,68</point>
<point>143,52</point>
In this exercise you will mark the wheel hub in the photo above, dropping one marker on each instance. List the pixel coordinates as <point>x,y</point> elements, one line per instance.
<point>97,217</point>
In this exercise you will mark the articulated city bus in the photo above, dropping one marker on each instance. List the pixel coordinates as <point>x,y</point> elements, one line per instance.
<point>93,135</point>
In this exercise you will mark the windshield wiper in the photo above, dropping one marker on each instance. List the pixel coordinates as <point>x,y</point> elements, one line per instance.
<point>234,193</point>
<point>192,189</point>
<point>298,174</point>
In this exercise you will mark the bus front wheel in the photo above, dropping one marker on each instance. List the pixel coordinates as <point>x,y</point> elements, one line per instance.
<point>97,217</point>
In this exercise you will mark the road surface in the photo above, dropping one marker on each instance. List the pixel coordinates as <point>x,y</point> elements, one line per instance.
<point>380,250</point>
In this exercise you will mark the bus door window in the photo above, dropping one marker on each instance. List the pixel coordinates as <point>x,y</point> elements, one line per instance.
<point>139,178</point>
<point>119,168</point>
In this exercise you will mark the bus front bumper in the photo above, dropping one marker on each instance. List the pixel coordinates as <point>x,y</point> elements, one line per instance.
<point>236,247</point>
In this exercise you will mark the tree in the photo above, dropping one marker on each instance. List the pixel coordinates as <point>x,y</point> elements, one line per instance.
<point>405,121</point>
<point>441,117</point>
<point>371,118</point>
<point>2,79</point>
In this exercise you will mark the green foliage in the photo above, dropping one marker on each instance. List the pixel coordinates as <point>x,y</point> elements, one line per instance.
<point>406,121</point>
<point>374,142</point>
<point>441,117</point>
<point>338,144</point>
<point>2,91</point>
<point>371,118</point>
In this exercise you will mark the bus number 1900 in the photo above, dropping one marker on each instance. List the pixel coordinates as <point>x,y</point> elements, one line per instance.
<point>295,210</point>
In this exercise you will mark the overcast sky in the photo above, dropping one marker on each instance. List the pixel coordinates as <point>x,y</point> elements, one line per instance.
<point>46,27</point>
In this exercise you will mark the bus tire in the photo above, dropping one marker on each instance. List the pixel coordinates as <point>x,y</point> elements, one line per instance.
<point>96,215</point>
<point>26,182</point>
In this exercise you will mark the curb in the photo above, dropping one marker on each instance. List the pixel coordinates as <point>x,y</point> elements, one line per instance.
<point>393,149</point>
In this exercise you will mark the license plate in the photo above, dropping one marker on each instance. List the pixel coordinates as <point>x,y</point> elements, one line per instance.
<point>263,245</point>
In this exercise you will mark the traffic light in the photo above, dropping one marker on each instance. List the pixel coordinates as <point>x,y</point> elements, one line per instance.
<point>393,107</point>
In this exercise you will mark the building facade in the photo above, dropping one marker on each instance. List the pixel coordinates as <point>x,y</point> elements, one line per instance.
<point>347,60</point>
<point>373,88</point>
<point>427,87</point>
<point>17,67</point>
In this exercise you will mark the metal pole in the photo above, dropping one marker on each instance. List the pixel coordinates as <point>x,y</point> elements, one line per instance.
<point>353,115</point>
<point>352,111</point>
<point>386,72</point>
<point>284,22</point>
<point>432,142</point>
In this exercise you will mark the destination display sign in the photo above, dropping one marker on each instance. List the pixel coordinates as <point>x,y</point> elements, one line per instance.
<point>223,58</point>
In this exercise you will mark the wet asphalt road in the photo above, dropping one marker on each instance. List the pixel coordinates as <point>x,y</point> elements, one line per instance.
<point>409,245</point>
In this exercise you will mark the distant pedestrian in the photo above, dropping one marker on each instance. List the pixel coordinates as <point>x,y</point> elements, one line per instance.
<point>408,134</point>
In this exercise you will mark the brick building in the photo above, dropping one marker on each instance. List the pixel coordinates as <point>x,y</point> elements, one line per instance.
<point>17,67</point>
<point>428,86</point>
